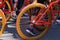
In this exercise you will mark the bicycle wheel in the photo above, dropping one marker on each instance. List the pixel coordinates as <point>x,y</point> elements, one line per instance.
<point>3,22</point>
<point>6,11</point>
<point>19,23</point>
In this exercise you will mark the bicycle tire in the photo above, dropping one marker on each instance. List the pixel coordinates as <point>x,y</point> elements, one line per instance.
<point>3,22</point>
<point>19,31</point>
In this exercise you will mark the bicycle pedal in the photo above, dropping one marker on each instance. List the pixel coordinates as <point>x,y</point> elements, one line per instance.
<point>8,22</point>
<point>25,17</point>
<point>30,32</point>
<point>11,19</point>
<point>11,26</point>
<point>5,32</point>
<point>26,14</point>
<point>58,21</point>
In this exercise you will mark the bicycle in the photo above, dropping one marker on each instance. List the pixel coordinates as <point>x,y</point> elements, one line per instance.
<point>38,20</point>
<point>19,22</point>
<point>41,19</point>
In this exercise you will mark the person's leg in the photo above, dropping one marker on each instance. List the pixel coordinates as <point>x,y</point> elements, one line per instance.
<point>20,3</point>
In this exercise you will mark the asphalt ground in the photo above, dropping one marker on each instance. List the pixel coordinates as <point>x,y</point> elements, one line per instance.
<point>52,34</point>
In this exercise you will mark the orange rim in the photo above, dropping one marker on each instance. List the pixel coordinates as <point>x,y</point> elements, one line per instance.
<point>3,21</point>
<point>9,10</point>
<point>18,22</point>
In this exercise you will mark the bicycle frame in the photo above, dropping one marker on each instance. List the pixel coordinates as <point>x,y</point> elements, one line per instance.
<point>5,11</point>
<point>2,3</point>
<point>48,8</point>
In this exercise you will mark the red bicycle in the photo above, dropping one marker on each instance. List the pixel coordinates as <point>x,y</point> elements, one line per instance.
<point>41,20</point>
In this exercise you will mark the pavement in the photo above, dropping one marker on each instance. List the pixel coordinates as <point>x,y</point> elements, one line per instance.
<point>52,34</point>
